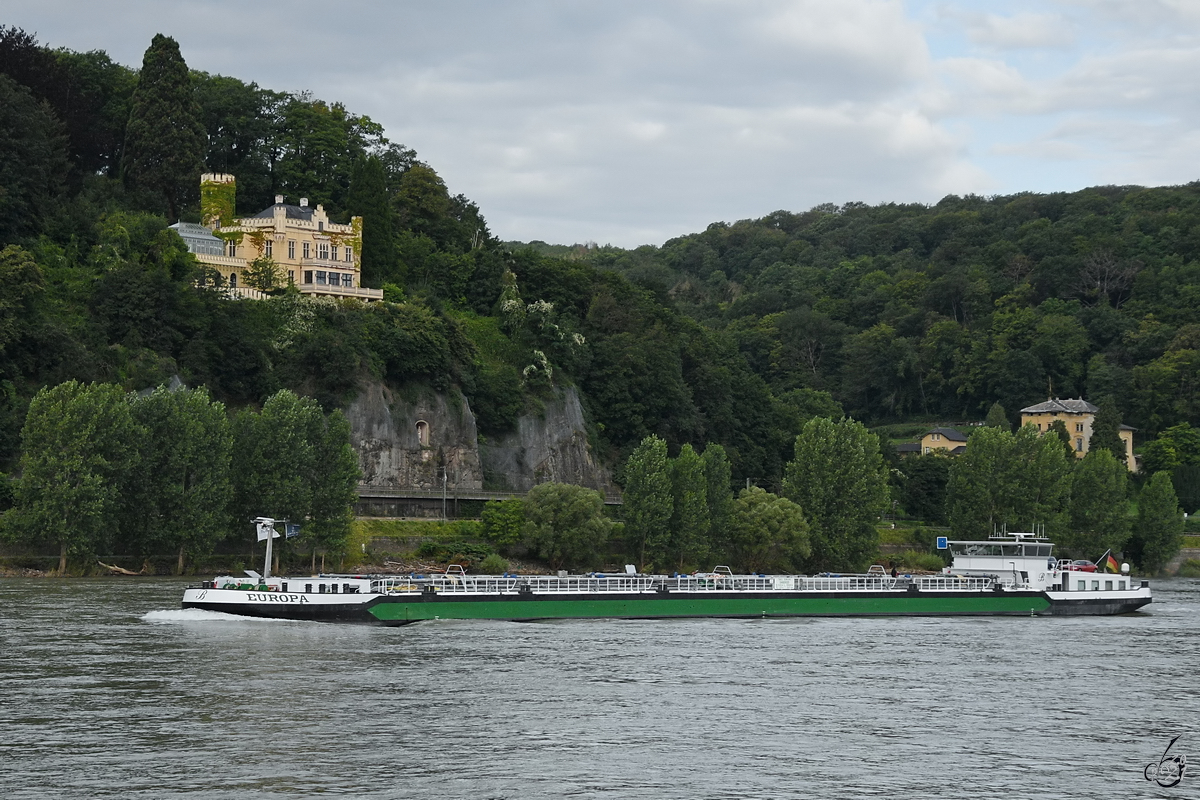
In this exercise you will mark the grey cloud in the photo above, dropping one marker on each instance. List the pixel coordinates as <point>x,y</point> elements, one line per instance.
<point>633,122</point>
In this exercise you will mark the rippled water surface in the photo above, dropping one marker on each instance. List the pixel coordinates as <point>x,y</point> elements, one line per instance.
<point>108,690</point>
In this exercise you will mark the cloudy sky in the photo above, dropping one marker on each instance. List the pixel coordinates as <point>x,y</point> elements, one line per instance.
<point>632,122</point>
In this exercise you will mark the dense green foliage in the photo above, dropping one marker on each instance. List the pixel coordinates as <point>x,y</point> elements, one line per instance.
<point>767,533</point>
<point>839,480</point>
<point>730,340</point>
<point>105,471</point>
<point>565,525</point>
<point>1098,516</point>
<point>164,142</point>
<point>944,310</point>
<point>1159,524</point>
<point>1009,481</point>
<point>79,451</point>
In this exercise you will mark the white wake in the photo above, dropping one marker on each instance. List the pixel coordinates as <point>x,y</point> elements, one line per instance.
<point>201,615</point>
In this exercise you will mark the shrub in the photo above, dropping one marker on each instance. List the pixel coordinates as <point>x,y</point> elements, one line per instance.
<point>1190,569</point>
<point>465,553</point>
<point>493,565</point>
<point>912,559</point>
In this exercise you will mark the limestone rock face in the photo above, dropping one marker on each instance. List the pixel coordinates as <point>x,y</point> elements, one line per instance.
<point>404,443</point>
<point>552,446</point>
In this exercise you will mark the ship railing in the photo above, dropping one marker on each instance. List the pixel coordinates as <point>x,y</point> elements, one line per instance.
<point>953,583</point>
<point>704,582</point>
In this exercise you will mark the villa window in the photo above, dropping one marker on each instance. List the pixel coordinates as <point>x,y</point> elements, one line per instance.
<point>291,249</point>
<point>321,277</point>
<point>233,249</point>
<point>323,251</point>
<point>291,276</point>
<point>1078,444</point>
<point>347,280</point>
<point>233,280</point>
<point>268,248</point>
<point>320,226</point>
<point>348,256</point>
<point>308,276</point>
<point>307,250</point>
<point>1079,427</point>
<point>333,252</point>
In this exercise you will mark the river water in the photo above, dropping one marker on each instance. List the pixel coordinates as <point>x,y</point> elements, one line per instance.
<point>108,690</point>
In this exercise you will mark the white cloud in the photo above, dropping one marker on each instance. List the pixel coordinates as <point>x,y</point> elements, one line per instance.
<point>633,121</point>
<point>1020,30</point>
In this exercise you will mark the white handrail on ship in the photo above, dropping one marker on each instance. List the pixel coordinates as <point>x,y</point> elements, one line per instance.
<point>643,584</point>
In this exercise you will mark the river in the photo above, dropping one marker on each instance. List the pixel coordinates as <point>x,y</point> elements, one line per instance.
<point>107,689</point>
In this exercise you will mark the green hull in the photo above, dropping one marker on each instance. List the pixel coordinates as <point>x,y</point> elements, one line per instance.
<point>398,611</point>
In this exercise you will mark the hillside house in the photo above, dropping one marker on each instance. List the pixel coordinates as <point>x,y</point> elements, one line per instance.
<point>1077,415</point>
<point>318,257</point>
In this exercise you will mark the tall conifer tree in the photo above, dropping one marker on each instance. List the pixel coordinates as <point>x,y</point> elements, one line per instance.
<point>647,500</point>
<point>164,140</point>
<point>1106,429</point>
<point>1159,526</point>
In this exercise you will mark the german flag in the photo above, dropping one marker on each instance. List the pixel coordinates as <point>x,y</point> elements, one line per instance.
<point>1111,565</point>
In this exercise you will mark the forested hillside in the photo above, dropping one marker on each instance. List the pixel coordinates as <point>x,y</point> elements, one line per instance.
<point>736,335</point>
<point>903,310</point>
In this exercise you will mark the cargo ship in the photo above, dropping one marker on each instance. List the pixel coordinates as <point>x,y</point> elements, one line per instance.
<point>1006,575</point>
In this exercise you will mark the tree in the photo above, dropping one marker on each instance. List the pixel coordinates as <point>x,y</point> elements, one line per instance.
<point>164,141</point>
<point>1059,429</point>
<point>180,498</point>
<point>719,495</point>
<point>1008,479</point>
<point>689,522</point>
<point>264,274</point>
<point>647,506</point>
<point>368,199</point>
<point>20,282</point>
<point>839,480</point>
<point>503,520</point>
<point>1106,430</point>
<point>1159,525</point>
<point>274,458</point>
<point>1098,505</point>
<point>78,447</point>
<point>767,533</point>
<point>565,524</point>
<point>924,485</point>
<point>33,161</point>
<point>334,480</point>
<point>997,417</point>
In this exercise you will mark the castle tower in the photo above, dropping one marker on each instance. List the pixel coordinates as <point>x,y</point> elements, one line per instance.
<point>218,196</point>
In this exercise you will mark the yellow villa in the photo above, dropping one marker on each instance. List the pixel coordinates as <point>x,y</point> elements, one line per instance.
<point>1077,415</point>
<point>318,257</point>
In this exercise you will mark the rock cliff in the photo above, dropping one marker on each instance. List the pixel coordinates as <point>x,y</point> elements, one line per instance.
<point>405,439</point>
